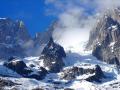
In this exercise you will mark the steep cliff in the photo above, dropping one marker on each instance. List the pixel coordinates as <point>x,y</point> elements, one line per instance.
<point>104,38</point>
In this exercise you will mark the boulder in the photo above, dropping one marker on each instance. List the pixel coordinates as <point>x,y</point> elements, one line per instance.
<point>52,56</point>
<point>71,73</point>
<point>20,67</point>
<point>98,75</point>
<point>17,66</point>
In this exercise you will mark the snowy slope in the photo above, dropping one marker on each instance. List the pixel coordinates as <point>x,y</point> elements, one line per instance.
<point>75,57</point>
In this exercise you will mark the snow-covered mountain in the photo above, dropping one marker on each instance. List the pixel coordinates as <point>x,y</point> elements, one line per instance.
<point>50,66</point>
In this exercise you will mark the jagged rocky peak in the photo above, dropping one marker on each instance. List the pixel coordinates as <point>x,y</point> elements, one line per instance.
<point>94,74</point>
<point>52,56</point>
<point>107,27</point>
<point>23,32</point>
<point>105,37</point>
<point>55,49</point>
<point>12,31</point>
<point>98,76</point>
<point>13,38</point>
<point>43,37</point>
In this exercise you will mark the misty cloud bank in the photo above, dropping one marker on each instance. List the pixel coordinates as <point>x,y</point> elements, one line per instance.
<point>76,18</point>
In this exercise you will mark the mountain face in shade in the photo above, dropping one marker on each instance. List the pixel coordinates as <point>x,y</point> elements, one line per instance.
<point>104,39</point>
<point>13,38</point>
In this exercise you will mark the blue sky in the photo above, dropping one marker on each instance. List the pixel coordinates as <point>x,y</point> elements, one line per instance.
<point>39,14</point>
<point>32,12</point>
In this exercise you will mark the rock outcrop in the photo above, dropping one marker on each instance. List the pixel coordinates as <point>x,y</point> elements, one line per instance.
<point>20,67</point>
<point>99,75</point>
<point>104,39</point>
<point>52,56</point>
<point>72,73</point>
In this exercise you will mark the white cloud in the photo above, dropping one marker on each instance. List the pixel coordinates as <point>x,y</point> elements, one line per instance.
<point>76,18</point>
<point>73,27</point>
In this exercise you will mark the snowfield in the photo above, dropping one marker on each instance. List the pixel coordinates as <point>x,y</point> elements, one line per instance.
<point>75,57</point>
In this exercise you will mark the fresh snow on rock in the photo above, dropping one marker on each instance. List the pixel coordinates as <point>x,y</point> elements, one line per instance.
<point>80,58</point>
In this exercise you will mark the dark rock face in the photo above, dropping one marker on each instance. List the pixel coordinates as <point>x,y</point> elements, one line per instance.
<point>98,71</point>
<point>71,73</point>
<point>52,56</point>
<point>38,89</point>
<point>98,75</point>
<point>18,66</point>
<point>21,68</point>
<point>104,39</point>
